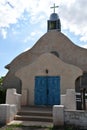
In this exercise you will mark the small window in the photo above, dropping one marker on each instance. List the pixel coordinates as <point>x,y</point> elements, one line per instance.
<point>52,25</point>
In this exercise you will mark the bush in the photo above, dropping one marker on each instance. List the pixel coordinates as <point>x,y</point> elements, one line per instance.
<point>2,91</point>
<point>2,95</point>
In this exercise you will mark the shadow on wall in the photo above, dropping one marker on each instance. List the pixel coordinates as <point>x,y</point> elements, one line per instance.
<point>12,81</point>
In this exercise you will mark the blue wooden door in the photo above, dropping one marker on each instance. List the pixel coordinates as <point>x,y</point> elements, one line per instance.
<point>40,91</point>
<point>47,90</point>
<point>53,90</point>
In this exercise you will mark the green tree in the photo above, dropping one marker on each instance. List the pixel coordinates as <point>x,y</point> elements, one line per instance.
<point>2,91</point>
<point>1,81</point>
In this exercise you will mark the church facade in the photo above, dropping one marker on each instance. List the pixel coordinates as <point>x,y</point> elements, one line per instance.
<point>45,72</point>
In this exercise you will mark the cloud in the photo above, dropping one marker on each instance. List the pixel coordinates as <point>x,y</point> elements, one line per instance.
<point>32,36</point>
<point>84,46</point>
<point>84,38</point>
<point>4,33</point>
<point>73,13</point>
<point>74,17</point>
<point>11,10</point>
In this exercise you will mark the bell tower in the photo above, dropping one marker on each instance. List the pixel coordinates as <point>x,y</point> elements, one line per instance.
<point>54,22</point>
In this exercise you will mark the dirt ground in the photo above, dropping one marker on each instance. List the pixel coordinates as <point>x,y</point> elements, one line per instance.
<point>29,128</point>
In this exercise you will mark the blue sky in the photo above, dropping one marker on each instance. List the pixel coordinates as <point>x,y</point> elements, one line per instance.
<point>23,22</point>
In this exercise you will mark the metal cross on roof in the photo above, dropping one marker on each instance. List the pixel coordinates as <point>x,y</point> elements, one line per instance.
<point>54,7</point>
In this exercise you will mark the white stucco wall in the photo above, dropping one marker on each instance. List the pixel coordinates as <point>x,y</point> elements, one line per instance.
<point>52,41</point>
<point>68,73</point>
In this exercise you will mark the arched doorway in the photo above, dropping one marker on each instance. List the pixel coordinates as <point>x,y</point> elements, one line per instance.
<point>81,92</point>
<point>78,93</point>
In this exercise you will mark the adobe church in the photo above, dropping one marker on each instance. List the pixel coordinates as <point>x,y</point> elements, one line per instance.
<point>53,65</point>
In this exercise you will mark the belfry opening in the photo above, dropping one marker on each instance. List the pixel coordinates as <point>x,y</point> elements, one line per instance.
<point>54,22</point>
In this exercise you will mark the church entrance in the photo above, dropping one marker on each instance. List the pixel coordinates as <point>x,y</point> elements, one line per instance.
<point>47,90</point>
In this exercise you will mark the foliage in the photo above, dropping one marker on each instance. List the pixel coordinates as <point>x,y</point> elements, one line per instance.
<point>2,96</point>
<point>2,92</point>
<point>22,127</point>
<point>9,129</point>
<point>1,80</point>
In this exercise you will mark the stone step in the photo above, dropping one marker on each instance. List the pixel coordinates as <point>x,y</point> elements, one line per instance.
<point>33,118</point>
<point>42,114</point>
<point>35,113</point>
<point>36,108</point>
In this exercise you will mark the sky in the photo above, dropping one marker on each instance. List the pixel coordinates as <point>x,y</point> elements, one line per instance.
<point>23,22</point>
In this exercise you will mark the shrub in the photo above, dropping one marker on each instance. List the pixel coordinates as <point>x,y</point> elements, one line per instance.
<point>2,95</point>
<point>2,91</point>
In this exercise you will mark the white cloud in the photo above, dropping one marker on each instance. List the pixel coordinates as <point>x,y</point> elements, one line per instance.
<point>84,46</point>
<point>27,39</point>
<point>73,13</point>
<point>11,11</point>
<point>84,38</point>
<point>74,17</point>
<point>32,36</point>
<point>4,33</point>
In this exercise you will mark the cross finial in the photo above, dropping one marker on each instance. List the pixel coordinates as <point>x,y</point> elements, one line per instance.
<point>54,7</point>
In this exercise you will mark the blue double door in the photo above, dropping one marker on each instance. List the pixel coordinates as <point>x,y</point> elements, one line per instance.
<point>47,90</point>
